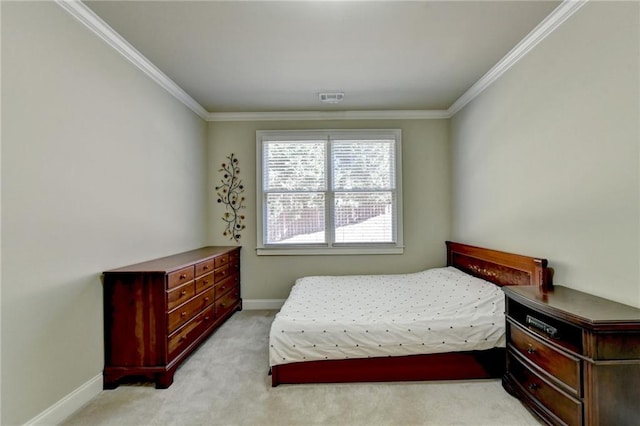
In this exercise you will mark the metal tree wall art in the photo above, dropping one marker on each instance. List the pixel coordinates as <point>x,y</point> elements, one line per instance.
<point>230,194</point>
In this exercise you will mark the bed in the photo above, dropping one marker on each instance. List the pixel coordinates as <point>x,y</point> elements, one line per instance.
<point>439,324</point>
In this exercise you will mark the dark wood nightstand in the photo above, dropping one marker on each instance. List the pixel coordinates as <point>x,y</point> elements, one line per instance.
<point>573,358</point>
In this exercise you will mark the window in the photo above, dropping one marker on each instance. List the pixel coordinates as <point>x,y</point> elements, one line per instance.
<point>329,192</point>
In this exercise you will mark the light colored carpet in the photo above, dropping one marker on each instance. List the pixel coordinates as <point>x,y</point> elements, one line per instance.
<point>225,382</point>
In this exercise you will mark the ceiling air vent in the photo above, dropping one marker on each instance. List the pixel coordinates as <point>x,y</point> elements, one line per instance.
<point>331,98</point>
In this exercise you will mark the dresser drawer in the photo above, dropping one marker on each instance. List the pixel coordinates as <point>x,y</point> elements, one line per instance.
<point>182,276</point>
<point>234,261</point>
<point>563,334</point>
<point>224,287</point>
<point>221,274</point>
<point>187,334</point>
<point>183,313</point>
<point>179,295</point>
<point>538,387</point>
<point>204,283</point>
<point>221,260</point>
<point>558,364</point>
<point>227,302</point>
<point>204,267</point>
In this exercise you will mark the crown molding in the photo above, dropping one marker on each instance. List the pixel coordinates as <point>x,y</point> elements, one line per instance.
<point>92,21</point>
<point>86,16</point>
<point>328,115</point>
<point>556,18</point>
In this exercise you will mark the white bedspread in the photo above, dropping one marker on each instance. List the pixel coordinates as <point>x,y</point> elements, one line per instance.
<point>434,311</point>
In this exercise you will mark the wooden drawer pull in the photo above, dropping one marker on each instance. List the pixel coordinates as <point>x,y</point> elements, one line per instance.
<point>183,276</point>
<point>183,292</point>
<point>205,267</point>
<point>183,314</point>
<point>531,350</point>
<point>533,386</point>
<point>206,299</point>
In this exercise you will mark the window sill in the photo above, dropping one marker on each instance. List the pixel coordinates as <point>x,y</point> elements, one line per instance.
<point>325,251</point>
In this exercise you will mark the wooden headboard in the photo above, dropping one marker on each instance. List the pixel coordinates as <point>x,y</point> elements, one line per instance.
<point>499,267</point>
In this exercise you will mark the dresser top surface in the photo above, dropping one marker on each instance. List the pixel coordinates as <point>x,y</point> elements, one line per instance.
<point>174,262</point>
<point>576,305</point>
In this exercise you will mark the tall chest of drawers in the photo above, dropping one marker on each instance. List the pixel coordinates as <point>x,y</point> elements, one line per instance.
<point>158,312</point>
<point>573,358</point>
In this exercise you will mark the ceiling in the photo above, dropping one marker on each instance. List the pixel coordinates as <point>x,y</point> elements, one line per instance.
<point>266,56</point>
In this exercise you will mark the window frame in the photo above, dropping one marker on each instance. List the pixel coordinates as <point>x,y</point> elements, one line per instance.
<point>330,247</point>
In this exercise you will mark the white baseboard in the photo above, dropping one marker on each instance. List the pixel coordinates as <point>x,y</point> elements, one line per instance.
<point>68,405</point>
<point>259,304</point>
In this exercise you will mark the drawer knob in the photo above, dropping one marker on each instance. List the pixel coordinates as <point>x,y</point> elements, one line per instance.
<point>206,299</point>
<point>222,288</point>
<point>222,305</point>
<point>205,267</point>
<point>183,314</point>
<point>183,338</point>
<point>205,282</point>
<point>533,386</point>
<point>531,350</point>
<point>183,276</point>
<point>183,292</point>
<point>206,318</point>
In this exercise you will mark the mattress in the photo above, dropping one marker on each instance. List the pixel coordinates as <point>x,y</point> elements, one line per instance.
<point>362,316</point>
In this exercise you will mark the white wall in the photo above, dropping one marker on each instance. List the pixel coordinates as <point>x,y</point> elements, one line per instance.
<point>546,161</point>
<point>100,168</point>
<point>426,184</point>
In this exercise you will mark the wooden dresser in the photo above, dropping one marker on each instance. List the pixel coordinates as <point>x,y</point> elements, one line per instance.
<point>157,312</point>
<point>573,358</point>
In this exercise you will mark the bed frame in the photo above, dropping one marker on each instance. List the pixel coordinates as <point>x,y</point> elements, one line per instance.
<point>495,266</point>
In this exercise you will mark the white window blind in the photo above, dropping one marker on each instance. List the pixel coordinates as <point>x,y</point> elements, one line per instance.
<point>328,192</point>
